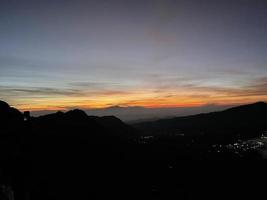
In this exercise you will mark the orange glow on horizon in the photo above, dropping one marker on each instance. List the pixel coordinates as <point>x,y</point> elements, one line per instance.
<point>67,104</point>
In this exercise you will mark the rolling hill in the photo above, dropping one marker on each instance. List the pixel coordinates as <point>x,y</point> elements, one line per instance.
<point>244,121</point>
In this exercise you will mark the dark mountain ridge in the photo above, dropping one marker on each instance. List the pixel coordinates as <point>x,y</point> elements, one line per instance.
<point>246,121</point>
<point>13,120</point>
<point>58,152</point>
<point>74,156</point>
<point>78,121</point>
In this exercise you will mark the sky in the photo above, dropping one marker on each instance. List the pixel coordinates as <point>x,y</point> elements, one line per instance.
<point>57,55</point>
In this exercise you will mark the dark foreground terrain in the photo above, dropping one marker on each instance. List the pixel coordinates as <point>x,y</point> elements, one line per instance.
<point>74,156</point>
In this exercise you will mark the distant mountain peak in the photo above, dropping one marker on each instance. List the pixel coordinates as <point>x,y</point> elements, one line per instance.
<point>76,113</point>
<point>122,107</point>
<point>115,107</point>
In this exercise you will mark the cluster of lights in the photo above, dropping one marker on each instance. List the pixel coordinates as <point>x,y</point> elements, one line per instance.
<point>145,140</point>
<point>246,146</point>
<point>256,144</point>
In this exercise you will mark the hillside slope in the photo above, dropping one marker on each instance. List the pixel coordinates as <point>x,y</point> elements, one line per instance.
<point>244,121</point>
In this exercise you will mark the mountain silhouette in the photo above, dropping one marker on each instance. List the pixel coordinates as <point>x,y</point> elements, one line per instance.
<point>244,121</point>
<point>58,150</point>
<point>134,114</point>
<point>70,155</point>
<point>76,121</point>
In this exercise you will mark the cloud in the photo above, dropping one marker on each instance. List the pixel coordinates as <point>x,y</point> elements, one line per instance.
<point>256,87</point>
<point>176,90</point>
<point>92,85</point>
<point>38,91</point>
<point>102,88</point>
<point>161,92</point>
<point>76,89</point>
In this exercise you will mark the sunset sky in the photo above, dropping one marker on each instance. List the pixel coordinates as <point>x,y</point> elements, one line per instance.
<point>57,54</point>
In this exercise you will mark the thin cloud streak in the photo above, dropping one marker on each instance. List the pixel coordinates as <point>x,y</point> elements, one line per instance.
<point>90,94</point>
